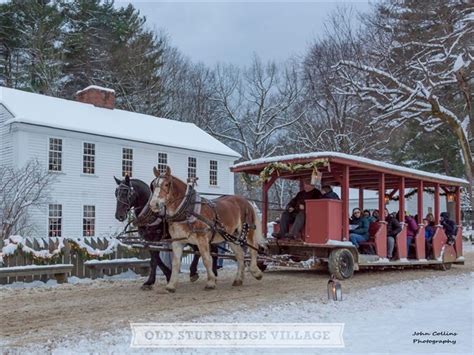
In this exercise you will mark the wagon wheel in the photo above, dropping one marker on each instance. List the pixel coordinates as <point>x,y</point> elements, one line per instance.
<point>444,266</point>
<point>341,264</point>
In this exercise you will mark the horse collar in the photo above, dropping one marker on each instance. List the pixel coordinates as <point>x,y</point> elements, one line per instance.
<point>184,209</point>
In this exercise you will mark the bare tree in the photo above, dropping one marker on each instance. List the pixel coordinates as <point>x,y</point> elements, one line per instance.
<point>187,89</point>
<point>425,80</point>
<point>255,106</point>
<point>334,121</point>
<point>20,190</point>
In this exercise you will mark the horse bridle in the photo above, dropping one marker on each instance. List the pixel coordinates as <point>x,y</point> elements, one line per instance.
<point>187,200</point>
<point>129,198</point>
<point>168,192</point>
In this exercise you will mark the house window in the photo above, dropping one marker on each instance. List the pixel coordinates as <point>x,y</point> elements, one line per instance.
<point>55,220</point>
<point>55,154</point>
<point>88,221</point>
<point>162,162</point>
<point>192,165</point>
<point>213,172</point>
<point>127,161</point>
<point>88,158</point>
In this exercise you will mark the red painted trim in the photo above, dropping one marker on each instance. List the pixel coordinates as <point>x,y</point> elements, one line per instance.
<point>458,206</point>
<point>458,242</point>
<point>381,240</point>
<point>420,202</point>
<point>345,202</point>
<point>401,242</point>
<point>436,204</point>
<point>420,242</point>
<point>256,169</point>
<point>361,199</point>
<point>382,194</point>
<point>401,201</point>
<point>439,239</point>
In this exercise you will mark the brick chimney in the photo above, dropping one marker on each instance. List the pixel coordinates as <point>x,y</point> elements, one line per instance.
<point>97,96</point>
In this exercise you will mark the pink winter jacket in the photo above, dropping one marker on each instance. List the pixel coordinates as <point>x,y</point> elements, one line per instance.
<point>412,226</point>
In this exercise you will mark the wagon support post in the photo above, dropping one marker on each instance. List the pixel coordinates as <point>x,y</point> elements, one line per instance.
<point>361,198</point>
<point>458,205</point>
<point>401,200</point>
<point>458,240</point>
<point>436,204</point>
<point>420,236</point>
<point>420,201</point>
<point>382,194</point>
<point>345,202</point>
<point>265,187</point>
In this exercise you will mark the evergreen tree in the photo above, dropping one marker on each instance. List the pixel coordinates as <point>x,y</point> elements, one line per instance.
<point>112,48</point>
<point>31,34</point>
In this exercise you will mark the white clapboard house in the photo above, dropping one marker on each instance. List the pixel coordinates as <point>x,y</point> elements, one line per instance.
<point>87,142</point>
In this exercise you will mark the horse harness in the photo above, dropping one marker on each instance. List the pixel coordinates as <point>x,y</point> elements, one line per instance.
<point>189,212</point>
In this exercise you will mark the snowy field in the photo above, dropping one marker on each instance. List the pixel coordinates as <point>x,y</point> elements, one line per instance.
<point>380,310</point>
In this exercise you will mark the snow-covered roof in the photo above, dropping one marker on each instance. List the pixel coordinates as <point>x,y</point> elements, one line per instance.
<point>71,115</point>
<point>375,163</point>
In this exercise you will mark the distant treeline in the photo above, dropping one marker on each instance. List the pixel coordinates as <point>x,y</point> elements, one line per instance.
<point>394,83</point>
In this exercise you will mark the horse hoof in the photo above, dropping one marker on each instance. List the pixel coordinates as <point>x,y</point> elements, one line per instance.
<point>146,287</point>
<point>194,278</point>
<point>170,289</point>
<point>210,287</point>
<point>257,274</point>
<point>237,283</point>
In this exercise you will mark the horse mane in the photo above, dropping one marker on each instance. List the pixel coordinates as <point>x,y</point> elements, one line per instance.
<point>176,179</point>
<point>143,184</point>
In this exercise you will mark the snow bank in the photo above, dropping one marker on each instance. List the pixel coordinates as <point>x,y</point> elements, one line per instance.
<point>128,275</point>
<point>124,260</point>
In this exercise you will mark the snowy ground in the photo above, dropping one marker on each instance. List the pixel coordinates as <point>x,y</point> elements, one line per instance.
<point>381,310</point>
<point>381,325</point>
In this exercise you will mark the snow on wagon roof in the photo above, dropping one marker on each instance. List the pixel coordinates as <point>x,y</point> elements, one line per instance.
<point>71,115</point>
<point>247,165</point>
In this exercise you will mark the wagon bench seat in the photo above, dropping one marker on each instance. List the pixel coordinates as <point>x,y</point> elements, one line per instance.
<point>60,271</point>
<point>98,266</point>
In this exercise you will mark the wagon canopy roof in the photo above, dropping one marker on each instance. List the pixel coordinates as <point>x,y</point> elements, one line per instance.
<point>361,172</point>
<point>47,111</point>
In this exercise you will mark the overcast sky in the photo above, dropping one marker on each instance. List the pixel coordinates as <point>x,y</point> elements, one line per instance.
<point>231,32</point>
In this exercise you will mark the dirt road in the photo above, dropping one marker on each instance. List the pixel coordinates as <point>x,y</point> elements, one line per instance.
<point>38,315</point>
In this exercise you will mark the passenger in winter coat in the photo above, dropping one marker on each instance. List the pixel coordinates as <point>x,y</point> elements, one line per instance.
<point>393,228</point>
<point>375,215</point>
<point>295,213</point>
<point>429,233</point>
<point>449,226</point>
<point>429,229</point>
<point>430,218</point>
<point>369,217</point>
<point>412,229</point>
<point>328,193</point>
<point>361,232</point>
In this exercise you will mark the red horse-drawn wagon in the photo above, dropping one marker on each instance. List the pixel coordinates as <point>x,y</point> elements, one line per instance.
<point>325,241</point>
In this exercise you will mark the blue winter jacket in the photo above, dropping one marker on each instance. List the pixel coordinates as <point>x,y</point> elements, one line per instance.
<point>363,226</point>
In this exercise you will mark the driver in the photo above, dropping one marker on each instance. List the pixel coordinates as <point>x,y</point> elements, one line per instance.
<point>294,212</point>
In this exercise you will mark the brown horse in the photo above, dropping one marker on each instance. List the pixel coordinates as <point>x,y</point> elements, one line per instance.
<point>233,213</point>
